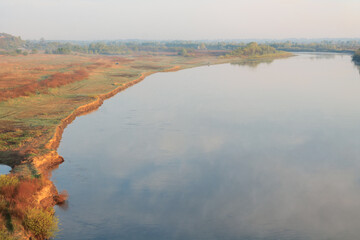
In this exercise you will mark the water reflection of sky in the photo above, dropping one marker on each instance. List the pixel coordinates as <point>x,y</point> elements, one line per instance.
<point>4,169</point>
<point>220,152</point>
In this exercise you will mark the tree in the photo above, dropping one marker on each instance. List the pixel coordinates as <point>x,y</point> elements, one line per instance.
<point>356,57</point>
<point>253,49</point>
<point>183,52</point>
<point>202,46</point>
<point>62,50</point>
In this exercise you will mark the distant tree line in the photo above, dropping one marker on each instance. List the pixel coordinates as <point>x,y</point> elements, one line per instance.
<point>176,47</point>
<point>128,47</point>
<point>12,45</point>
<point>15,45</point>
<point>323,46</point>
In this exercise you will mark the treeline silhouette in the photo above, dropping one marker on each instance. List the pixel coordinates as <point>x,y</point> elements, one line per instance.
<point>322,46</point>
<point>12,45</point>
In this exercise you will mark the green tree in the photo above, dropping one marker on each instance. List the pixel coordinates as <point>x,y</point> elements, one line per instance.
<point>183,52</point>
<point>356,57</point>
<point>202,46</point>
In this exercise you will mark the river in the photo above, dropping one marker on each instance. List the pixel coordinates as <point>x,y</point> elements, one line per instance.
<point>231,151</point>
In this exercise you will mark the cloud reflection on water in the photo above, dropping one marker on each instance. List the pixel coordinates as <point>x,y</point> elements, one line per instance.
<point>264,153</point>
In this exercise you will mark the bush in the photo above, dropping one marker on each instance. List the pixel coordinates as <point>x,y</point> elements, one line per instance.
<point>356,57</point>
<point>183,52</point>
<point>3,204</point>
<point>26,189</point>
<point>41,223</point>
<point>253,49</point>
<point>5,235</point>
<point>8,180</point>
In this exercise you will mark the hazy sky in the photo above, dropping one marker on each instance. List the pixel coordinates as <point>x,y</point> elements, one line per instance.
<point>175,19</point>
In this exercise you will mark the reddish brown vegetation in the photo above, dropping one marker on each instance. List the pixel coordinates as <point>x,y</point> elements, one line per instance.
<point>62,197</point>
<point>55,80</point>
<point>24,76</point>
<point>95,65</point>
<point>21,196</point>
<point>120,60</point>
<point>59,79</point>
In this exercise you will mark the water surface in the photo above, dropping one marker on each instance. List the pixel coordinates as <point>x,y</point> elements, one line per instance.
<point>4,169</point>
<point>259,151</point>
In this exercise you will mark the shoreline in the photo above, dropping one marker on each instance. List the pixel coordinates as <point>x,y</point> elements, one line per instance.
<point>54,142</point>
<point>50,160</point>
<point>42,164</point>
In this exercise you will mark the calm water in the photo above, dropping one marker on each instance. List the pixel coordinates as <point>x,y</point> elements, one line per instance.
<point>4,169</point>
<point>230,152</point>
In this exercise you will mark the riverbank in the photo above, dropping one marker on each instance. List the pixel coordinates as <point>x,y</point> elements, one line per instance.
<point>42,117</point>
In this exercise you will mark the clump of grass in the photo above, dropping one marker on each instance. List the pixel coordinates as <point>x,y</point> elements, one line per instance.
<point>8,181</point>
<point>12,139</point>
<point>41,223</point>
<point>5,235</point>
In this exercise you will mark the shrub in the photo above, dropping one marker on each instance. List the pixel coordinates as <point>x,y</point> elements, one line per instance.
<point>5,235</point>
<point>183,52</point>
<point>3,204</point>
<point>41,223</point>
<point>27,188</point>
<point>8,180</point>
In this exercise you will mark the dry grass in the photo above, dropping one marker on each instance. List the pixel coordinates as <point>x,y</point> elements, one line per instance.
<point>23,76</point>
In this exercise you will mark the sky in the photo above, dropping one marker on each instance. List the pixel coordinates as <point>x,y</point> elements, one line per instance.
<point>175,19</point>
